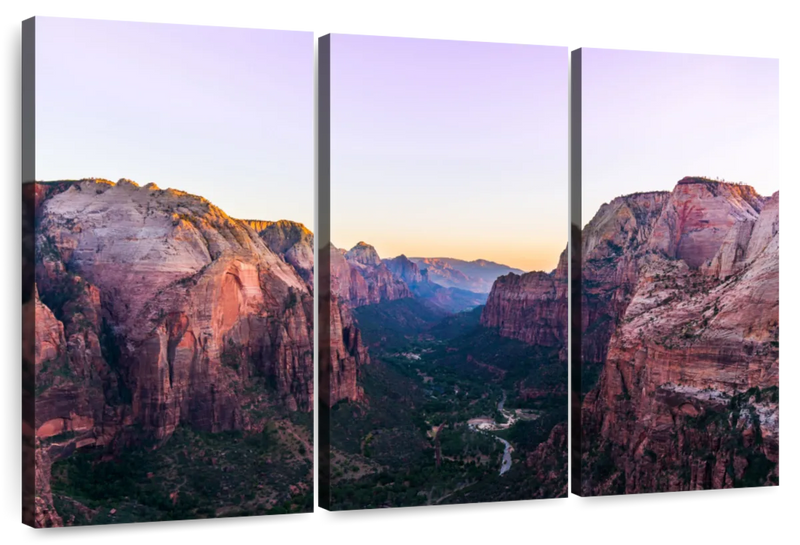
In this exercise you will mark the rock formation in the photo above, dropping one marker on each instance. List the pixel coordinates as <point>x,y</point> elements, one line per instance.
<point>680,323</point>
<point>292,241</point>
<point>361,278</point>
<point>347,354</point>
<point>532,307</point>
<point>686,293</point>
<point>548,464</point>
<point>156,309</point>
<point>363,254</point>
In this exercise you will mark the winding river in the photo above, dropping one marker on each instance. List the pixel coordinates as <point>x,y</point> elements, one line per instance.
<point>484,425</point>
<point>506,465</point>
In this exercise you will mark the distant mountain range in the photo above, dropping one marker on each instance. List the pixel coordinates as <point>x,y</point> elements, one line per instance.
<point>361,278</point>
<point>476,276</point>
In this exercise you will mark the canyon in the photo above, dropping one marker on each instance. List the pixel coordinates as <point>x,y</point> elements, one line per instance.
<point>165,328</point>
<point>159,320</point>
<point>678,361</point>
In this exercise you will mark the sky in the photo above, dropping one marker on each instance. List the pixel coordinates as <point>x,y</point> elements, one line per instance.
<point>224,113</point>
<point>649,119</point>
<point>450,149</point>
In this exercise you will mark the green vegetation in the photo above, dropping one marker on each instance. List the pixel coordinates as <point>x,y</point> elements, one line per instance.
<point>231,355</point>
<point>457,324</point>
<point>51,371</point>
<point>429,376</point>
<point>193,475</point>
<point>64,300</point>
<point>109,345</point>
<point>393,324</point>
<point>291,299</point>
<point>46,249</point>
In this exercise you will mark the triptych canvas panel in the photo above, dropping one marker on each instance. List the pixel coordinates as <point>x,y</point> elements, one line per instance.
<point>485,222</point>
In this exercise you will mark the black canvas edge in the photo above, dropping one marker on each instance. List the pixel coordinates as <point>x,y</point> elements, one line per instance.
<point>575,269</point>
<point>416,513</point>
<point>323,287</point>
<point>28,213</point>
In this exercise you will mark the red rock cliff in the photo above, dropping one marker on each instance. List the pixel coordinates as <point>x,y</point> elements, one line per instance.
<point>186,303</point>
<point>532,307</point>
<point>291,240</point>
<point>687,395</point>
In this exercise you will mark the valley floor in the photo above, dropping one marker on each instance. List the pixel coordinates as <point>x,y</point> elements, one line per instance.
<point>445,419</point>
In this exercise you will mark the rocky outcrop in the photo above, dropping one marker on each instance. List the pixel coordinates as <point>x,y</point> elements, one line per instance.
<point>548,464</point>
<point>45,514</point>
<point>532,307</point>
<point>765,231</point>
<point>292,241</point>
<point>49,341</point>
<point>698,217</point>
<point>611,246</point>
<point>682,312</point>
<point>347,354</point>
<point>687,397</point>
<point>732,252</point>
<point>363,254</point>
<point>360,278</point>
<point>170,308</point>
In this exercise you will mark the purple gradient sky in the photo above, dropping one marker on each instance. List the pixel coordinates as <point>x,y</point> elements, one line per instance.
<point>225,113</point>
<point>649,119</point>
<point>449,149</point>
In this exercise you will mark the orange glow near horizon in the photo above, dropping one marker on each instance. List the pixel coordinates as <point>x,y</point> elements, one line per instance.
<point>541,255</point>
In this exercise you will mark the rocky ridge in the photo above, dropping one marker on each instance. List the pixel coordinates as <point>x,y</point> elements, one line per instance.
<point>679,352</point>
<point>688,304</point>
<point>155,309</point>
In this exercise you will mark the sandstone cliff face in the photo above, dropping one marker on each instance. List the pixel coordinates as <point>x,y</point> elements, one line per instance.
<point>168,306</point>
<point>682,311</point>
<point>292,241</point>
<point>687,397</point>
<point>612,244</point>
<point>548,464</point>
<point>698,217</point>
<point>45,514</point>
<point>347,354</point>
<point>532,307</point>
<point>363,254</point>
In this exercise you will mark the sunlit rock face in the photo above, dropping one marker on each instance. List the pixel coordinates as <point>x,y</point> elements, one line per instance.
<point>687,307</point>
<point>168,307</point>
<point>680,319</point>
<point>291,240</point>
